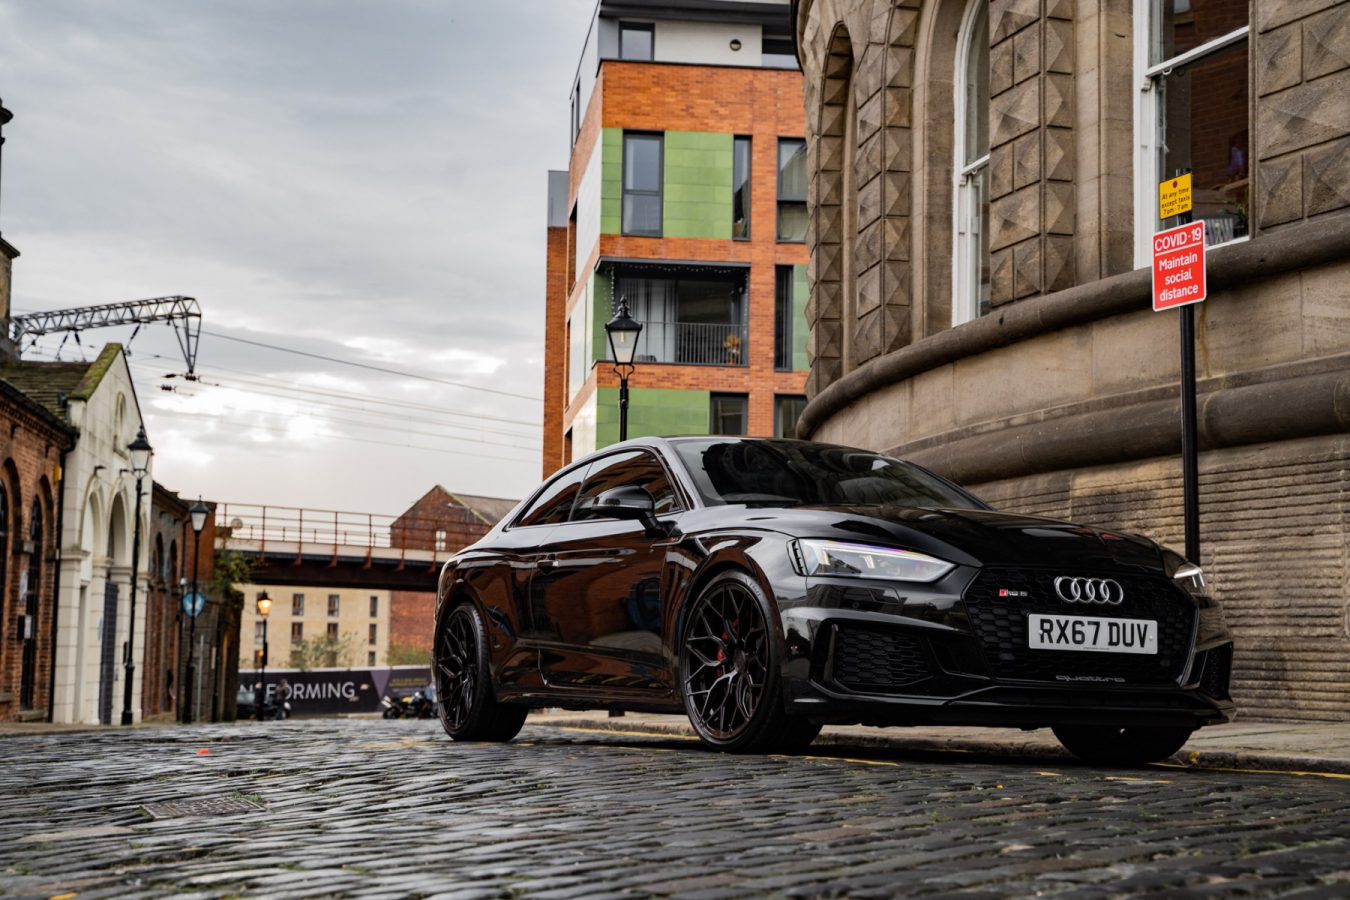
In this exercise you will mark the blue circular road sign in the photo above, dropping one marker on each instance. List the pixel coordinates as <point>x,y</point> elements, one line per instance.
<point>193,603</point>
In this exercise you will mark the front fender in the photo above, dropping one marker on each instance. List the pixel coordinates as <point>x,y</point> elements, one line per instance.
<point>697,559</point>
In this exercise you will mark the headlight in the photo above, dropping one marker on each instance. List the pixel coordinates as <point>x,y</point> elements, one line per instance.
<point>1189,577</point>
<point>863,561</point>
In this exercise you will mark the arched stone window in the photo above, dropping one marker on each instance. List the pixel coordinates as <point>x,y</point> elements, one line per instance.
<point>970,206</point>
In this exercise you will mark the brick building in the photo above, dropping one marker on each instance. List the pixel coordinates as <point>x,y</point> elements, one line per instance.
<point>33,444</point>
<point>685,195</point>
<point>984,185</point>
<point>170,546</point>
<point>446,523</point>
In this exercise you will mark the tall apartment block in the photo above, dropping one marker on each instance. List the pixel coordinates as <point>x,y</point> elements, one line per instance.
<point>685,195</point>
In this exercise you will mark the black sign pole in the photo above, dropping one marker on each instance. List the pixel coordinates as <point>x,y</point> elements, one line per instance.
<point>1190,456</point>
<point>1190,449</point>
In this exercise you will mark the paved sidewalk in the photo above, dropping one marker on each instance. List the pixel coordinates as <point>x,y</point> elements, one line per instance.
<point>1274,746</point>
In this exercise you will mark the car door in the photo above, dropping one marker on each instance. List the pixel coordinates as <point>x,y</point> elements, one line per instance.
<point>503,576</point>
<point>598,592</point>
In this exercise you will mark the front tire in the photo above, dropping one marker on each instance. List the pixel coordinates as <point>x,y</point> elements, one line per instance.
<point>1129,745</point>
<point>729,672</point>
<point>466,705</point>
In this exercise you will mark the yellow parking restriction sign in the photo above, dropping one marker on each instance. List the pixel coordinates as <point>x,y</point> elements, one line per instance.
<point>1174,196</point>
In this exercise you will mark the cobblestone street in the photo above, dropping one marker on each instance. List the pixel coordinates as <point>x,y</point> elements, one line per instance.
<point>370,807</point>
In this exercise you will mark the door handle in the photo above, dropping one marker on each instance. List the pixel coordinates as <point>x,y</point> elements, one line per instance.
<point>546,564</point>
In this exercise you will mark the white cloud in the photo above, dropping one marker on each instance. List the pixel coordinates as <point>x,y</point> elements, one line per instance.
<point>361,181</point>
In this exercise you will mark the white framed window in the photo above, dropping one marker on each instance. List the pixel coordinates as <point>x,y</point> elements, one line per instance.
<point>970,202</point>
<point>1192,114</point>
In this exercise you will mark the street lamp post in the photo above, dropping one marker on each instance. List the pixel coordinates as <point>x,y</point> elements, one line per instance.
<point>260,693</point>
<point>197,514</point>
<point>623,333</point>
<point>140,451</point>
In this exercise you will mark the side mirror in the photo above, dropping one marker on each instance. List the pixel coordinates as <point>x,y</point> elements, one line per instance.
<point>629,502</point>
<point>626,502</point>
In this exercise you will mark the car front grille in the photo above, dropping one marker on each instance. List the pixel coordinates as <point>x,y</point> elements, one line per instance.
<point>874,660</point>
<point>1000,624</point>
<point>1216,669</point>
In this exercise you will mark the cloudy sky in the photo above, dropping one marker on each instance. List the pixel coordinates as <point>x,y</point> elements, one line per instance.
<point>363,181</point>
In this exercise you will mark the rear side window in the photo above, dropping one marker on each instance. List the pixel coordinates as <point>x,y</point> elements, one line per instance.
<point>632,468</point>
<point>554,503</point>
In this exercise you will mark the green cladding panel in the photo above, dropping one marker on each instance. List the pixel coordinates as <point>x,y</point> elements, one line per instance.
<point>603,311</point>
<point>651,412</point>
<point>695,189</point>
<point>697,185</point>
<point>801,292</point>
<point>611,180</point>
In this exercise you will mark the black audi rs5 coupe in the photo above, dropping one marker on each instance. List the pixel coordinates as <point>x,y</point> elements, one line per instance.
<point>768,587</point>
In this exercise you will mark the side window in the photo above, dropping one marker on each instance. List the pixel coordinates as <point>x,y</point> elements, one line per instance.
<point>554,504</point>
<point>633,468</point>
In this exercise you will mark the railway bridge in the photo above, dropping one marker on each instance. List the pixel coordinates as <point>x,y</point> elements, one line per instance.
<point>294,546</point>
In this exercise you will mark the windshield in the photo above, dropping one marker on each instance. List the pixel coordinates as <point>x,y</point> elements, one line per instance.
<point>799,473</point>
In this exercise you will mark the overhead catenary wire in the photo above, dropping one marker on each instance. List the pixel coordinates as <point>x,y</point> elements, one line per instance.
<point>285,395</point>
<point>372,426</point>
<point>307,389</point>
<point>239,423</point>
<point>373,368</point>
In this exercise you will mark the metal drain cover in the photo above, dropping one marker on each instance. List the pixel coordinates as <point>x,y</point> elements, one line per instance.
<point>214,806</point>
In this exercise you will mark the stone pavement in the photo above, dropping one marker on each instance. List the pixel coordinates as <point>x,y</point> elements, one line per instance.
<point>369,807</point>
<point>1276,746</point>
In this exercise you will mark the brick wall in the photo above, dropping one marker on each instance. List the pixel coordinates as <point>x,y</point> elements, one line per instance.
<point>555,345</point>
<point>411,618</point>
<point>30,447</point>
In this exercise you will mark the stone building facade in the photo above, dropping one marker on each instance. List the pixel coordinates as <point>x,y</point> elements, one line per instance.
<point>983,194</point>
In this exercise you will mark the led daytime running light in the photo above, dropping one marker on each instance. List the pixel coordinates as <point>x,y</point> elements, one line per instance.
<point>834,558</point>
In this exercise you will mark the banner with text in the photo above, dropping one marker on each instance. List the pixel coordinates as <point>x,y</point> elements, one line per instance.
<point>319,692</point>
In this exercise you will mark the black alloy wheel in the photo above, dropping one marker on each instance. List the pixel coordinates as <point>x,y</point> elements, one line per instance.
<point>468,710</point>
<point>729,671</point>
<point>1129,745</point>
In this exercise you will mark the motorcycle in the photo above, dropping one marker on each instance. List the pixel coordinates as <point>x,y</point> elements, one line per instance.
<point>421,705</point>
<point>247,707</point>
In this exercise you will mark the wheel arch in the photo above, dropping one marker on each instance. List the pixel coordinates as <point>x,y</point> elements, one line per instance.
<point>456,589</point>
<point>734,554</point>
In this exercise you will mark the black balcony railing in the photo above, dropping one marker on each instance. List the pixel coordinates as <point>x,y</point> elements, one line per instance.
<point>693,343</point>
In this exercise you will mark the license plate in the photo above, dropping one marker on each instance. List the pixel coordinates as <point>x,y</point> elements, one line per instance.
<point>1092,633</point>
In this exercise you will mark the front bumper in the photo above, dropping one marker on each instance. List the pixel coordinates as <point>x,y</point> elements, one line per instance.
<point>881,664</point>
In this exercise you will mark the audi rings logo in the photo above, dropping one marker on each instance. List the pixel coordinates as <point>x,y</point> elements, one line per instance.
<point>1089,590</point>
